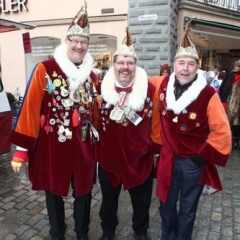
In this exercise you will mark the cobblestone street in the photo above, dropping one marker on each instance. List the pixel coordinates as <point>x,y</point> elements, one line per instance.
<point>23,213</point>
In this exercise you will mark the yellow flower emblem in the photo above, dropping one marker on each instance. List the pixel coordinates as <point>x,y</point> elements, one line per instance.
<point>192,116</point>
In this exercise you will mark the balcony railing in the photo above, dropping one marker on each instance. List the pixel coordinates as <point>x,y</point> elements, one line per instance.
<point>227,4</point>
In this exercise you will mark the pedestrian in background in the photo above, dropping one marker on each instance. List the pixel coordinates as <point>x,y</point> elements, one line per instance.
<point>125,146</point>
<point>196,137</point>
<point>53,129</point>
<point>230,97</point>
<point>213,79</point>
<point>165,70</point>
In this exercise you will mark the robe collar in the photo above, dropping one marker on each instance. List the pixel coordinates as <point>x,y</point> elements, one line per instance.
<point>76,75</point>
<point>190,95</point>
<point>136,97</point>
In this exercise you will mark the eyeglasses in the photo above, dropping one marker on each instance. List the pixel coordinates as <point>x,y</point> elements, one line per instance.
<point>122,64</point>
<point>76,42</point>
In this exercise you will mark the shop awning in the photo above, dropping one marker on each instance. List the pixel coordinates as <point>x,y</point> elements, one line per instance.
<point>210,35</point>
<point>7,25</point>
<point>212,24</point>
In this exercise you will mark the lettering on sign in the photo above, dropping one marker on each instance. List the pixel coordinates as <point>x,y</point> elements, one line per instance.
<point>42,51</point>
<point>96,49</point>
<point>13,6</point>
<point>147,17</point>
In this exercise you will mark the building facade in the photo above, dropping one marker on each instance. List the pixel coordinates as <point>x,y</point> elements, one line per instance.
<point>215,30</point>
<point>158,26</point>
<point>154,29</point>
<point>51,19</point>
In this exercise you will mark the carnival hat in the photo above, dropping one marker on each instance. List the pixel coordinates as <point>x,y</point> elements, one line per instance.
<point>126,48</point>
<point>187,48</point>
<point>80,25</point>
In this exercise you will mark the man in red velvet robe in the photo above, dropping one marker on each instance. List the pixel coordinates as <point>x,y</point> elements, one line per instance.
<point>196,136</point>
<point>53,129</point>
<point>125,146</point>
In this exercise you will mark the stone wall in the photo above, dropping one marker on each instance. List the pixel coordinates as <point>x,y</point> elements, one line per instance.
<point>153,24</point>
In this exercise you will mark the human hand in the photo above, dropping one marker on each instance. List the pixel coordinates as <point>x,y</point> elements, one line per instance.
<point>17,159</point>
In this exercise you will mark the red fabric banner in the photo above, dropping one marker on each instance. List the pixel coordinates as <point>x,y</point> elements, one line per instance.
<point>27,42</point>
<point>6,129</point>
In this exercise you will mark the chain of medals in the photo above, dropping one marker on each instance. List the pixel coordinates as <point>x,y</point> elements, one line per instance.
<point>122,113</point>
<point>69,108</point>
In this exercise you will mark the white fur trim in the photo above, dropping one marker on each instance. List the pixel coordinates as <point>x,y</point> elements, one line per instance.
<point>76,75</point>
<point>136,97</point>
<point>187,97</point>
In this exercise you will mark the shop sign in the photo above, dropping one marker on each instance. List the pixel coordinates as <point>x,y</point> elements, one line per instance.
<point>234,52</point>
<point>13,6</point>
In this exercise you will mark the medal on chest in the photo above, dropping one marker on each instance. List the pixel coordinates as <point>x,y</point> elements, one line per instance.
<point>125,115</point>
<point>66,109</point>
<point>117,114</point>
<point>134,118</point>
<point>75,96</point>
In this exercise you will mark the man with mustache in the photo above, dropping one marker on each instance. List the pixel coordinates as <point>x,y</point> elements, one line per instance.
<point>125,146</point>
